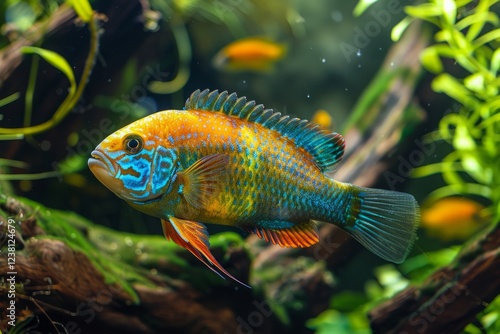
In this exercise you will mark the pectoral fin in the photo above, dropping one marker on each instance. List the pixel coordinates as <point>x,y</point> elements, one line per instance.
<point>200,179</point>
<point>193,236</point>
<point>300,235</point>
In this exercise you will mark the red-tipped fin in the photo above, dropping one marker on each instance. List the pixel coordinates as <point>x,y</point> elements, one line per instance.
<point>301,235</point>
<point>200,179</point>
<point>193,236</point>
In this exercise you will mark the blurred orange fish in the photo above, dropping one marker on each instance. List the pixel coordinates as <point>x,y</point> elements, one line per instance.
<point>254,54</point>
<point>454,218</point>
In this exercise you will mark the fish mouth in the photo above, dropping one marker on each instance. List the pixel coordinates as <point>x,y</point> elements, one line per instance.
<point>99,160</point>
<point>107,172</point>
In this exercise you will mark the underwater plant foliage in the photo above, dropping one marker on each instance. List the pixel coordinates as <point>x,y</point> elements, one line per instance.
<point>468,35</point>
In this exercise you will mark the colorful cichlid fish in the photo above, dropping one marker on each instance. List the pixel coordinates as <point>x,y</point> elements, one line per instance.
<point>225,160</point>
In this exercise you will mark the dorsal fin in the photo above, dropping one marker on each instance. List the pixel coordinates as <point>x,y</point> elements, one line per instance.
<point>325,147</point>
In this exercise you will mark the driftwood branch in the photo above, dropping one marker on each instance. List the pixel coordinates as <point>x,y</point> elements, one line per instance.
<point>450,298</point>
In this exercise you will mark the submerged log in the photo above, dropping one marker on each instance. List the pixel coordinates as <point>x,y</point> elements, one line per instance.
<point>71,275</point>
<point>450,298</point>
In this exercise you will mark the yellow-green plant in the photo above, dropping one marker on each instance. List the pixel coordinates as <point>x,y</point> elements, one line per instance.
<point>468,34</point>
<point>86,15</point>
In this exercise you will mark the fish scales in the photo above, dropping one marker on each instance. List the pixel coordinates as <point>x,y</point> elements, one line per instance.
<point>262,174</point>
<point>228,161</point>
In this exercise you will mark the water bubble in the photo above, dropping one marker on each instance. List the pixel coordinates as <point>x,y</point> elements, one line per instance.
<point>336,16</point>
<point>392,63</point>
<point>323,60</point>
<point>358,53</point>
<point>346,89</point>
<point>45,145</point>
<point>359,66</point>
<point>244,81</point>
<point>129,242</point>
<point>308,95</point>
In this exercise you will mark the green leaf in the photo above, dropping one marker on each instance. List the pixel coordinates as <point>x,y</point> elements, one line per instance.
<point>82,8</point>
<point>449,11</point>
<point>400,28</point>
<point>347,301</point>
<point>475,82</point>
<point>362,6</point>
<point>460,40</point>
<point>491,36</point>
<point>495,62</point>
<point>424,11</point>
<point>445,83</point>
<point>55,60</point>
<point>9,99</point>
<point>481,18</point>
<point>431,61</point>
<point>463,140</point>
<point>473,166</point>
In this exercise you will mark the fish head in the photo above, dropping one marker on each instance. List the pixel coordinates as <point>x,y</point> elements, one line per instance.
<point>134,163</point>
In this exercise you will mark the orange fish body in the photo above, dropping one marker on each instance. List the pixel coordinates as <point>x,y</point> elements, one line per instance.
<point>249,54</point>
<point>225,160</point>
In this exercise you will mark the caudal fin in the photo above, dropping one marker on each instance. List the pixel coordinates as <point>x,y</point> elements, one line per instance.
<point>385,222</point>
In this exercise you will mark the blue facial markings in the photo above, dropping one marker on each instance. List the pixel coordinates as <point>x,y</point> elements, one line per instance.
<point>164,170</point>
<point>135,171</point>
<point>148,173</point>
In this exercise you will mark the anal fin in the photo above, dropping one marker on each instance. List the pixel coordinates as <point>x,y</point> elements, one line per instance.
<point>193,236</point>
<point>300,235</point>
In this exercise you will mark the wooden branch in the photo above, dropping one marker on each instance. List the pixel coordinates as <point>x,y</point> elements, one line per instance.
<point>450,298</point>
<point>61,279</point>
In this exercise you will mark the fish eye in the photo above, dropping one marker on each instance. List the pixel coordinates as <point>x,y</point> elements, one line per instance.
<point>133,144</point>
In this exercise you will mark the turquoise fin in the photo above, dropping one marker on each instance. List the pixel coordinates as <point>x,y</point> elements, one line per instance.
<point>384,221</point>
<point>326,148</point>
